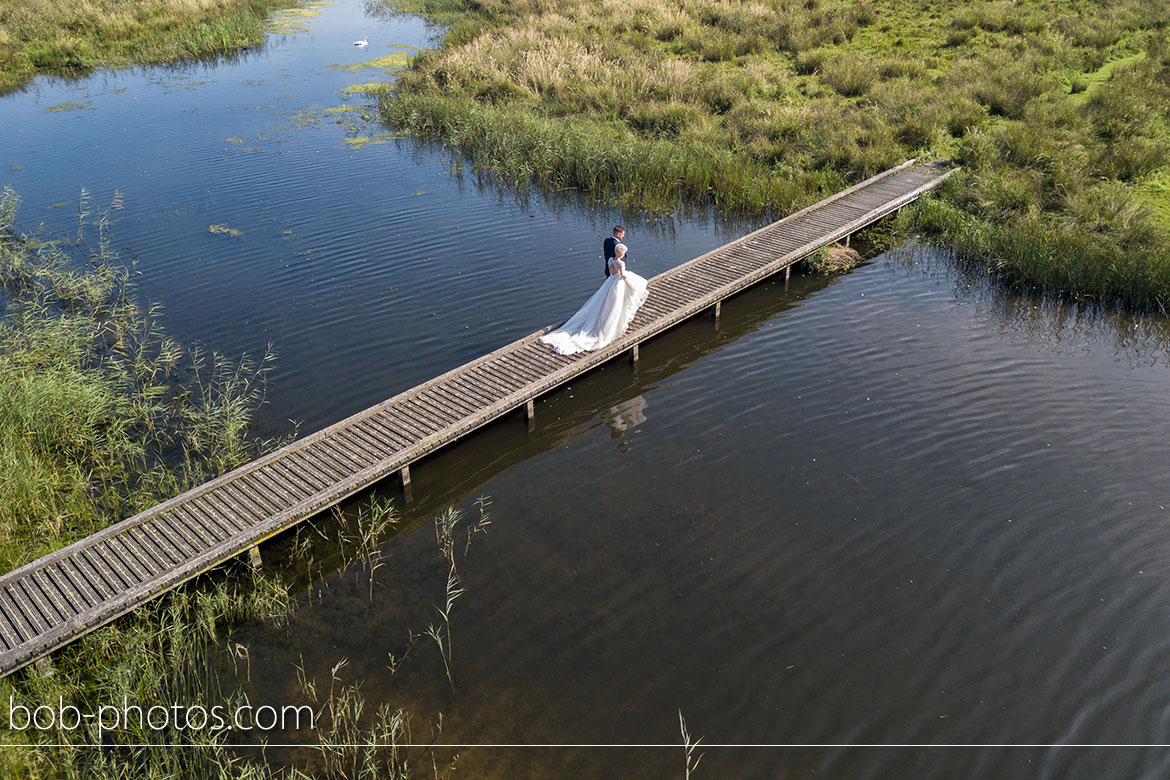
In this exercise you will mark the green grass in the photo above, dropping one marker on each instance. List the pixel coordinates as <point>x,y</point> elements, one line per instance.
<point>104,414</point>
<point>72,37</point>
<point>1059,112</point>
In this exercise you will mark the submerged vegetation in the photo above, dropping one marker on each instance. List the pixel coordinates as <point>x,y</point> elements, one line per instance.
<point>65,38</point>
<point>1058,112</point>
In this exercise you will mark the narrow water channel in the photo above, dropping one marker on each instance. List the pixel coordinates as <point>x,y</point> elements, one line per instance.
<point>899,507</point>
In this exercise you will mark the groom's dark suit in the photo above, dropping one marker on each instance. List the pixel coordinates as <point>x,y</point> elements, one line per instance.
<point>607,248</point>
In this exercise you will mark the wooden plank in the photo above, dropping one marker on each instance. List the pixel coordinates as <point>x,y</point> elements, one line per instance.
<point>217,507</point>
<point>14,617</point>
<point>66,575</point>
<point>335,449</point>
<point>178,536</point>
<point>396,438</point>
<point>406,423</point>
<point>64,571</point>
<point>365,441</point>
<point>8,633</point>
<point>297,484</point>
<point>28,608</point>
<point>250,500</point>
<point>455,400</point>
<point>129,553</point>
<point>63,598</point>
<point>198,518</point>
<point>115,572</point>
<point>159,556</point>
<point>517,376</point>
<point>95,580</point>
<point>313,466</point>
<point>185,518</point>
<point>466,385</point>
<point>436,412</point>
<point>498,386</point>
<point>272,494</point>
<point>526,367</point>
<point>164,539</point>
<point>43,610</point>
<point>436,419</point>
<point>423,426</point>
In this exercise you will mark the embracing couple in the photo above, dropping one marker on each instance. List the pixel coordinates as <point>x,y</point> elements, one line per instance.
<point>608,312</point>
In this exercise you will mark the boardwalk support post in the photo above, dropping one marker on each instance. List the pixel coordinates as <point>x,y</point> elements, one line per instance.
<point>254,557</point>
<point>530,413</point>
<point>44,666</point>
<point>404,475</point>
<point>634,354</point>
<point>718,307</point>
<point>849,236</point>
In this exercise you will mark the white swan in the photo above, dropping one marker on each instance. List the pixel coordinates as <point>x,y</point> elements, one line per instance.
<point>365,41</point>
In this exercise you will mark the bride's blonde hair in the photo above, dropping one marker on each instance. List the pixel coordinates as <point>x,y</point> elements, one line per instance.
<point>620,249</point>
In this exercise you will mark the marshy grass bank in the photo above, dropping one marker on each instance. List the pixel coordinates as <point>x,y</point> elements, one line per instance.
<point>104,415</point>
<point>65,38</point>
<point>1059,113</point>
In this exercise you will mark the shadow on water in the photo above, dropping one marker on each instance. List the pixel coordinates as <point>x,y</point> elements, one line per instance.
<point>1140,339</point>
<point>611,396</point>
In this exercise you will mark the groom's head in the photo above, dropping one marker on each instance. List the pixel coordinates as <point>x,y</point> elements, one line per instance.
<point>619,232</point>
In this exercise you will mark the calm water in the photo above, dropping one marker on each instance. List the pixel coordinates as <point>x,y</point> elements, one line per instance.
<point>899,507</point>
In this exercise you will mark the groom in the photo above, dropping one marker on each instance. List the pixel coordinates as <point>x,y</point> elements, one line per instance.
<point>608,244</point>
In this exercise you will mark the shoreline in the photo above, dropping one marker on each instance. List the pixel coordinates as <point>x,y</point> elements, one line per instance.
<point>766,109</point>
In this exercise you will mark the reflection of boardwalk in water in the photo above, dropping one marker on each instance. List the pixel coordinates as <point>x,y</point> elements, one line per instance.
<point>62,596</point>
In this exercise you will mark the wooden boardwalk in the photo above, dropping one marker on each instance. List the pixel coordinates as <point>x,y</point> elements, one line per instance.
<point>56,599</point>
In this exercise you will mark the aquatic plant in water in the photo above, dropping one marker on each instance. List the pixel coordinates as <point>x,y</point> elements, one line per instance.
<point>288,21</point>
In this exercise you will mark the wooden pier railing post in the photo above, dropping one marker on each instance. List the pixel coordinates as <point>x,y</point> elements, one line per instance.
<point>404,475</point>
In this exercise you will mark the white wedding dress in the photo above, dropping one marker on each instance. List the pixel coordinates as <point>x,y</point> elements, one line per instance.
<point>604,317</point>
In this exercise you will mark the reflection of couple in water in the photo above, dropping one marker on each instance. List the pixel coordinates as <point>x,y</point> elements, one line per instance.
<point>608,312</point>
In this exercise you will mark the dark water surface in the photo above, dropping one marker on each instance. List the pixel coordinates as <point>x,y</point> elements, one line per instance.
<point>901,507</point>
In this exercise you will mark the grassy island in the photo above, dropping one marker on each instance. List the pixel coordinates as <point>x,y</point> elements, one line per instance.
<point>1058,111</point>
<point>66,37</point>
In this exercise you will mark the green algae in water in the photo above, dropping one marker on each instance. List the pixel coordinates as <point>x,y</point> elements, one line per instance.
<point>69,105</point>
<point>362,141</point>
<point>234,140</point>
<point>365,89</point>
<point>252,149</point>
<point>391,62</point>
<point>225,229</point>
<point>295,20</point>
<point>341,109</point>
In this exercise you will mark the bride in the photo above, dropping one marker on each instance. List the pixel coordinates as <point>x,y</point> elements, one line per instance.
<point>607,313</point>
